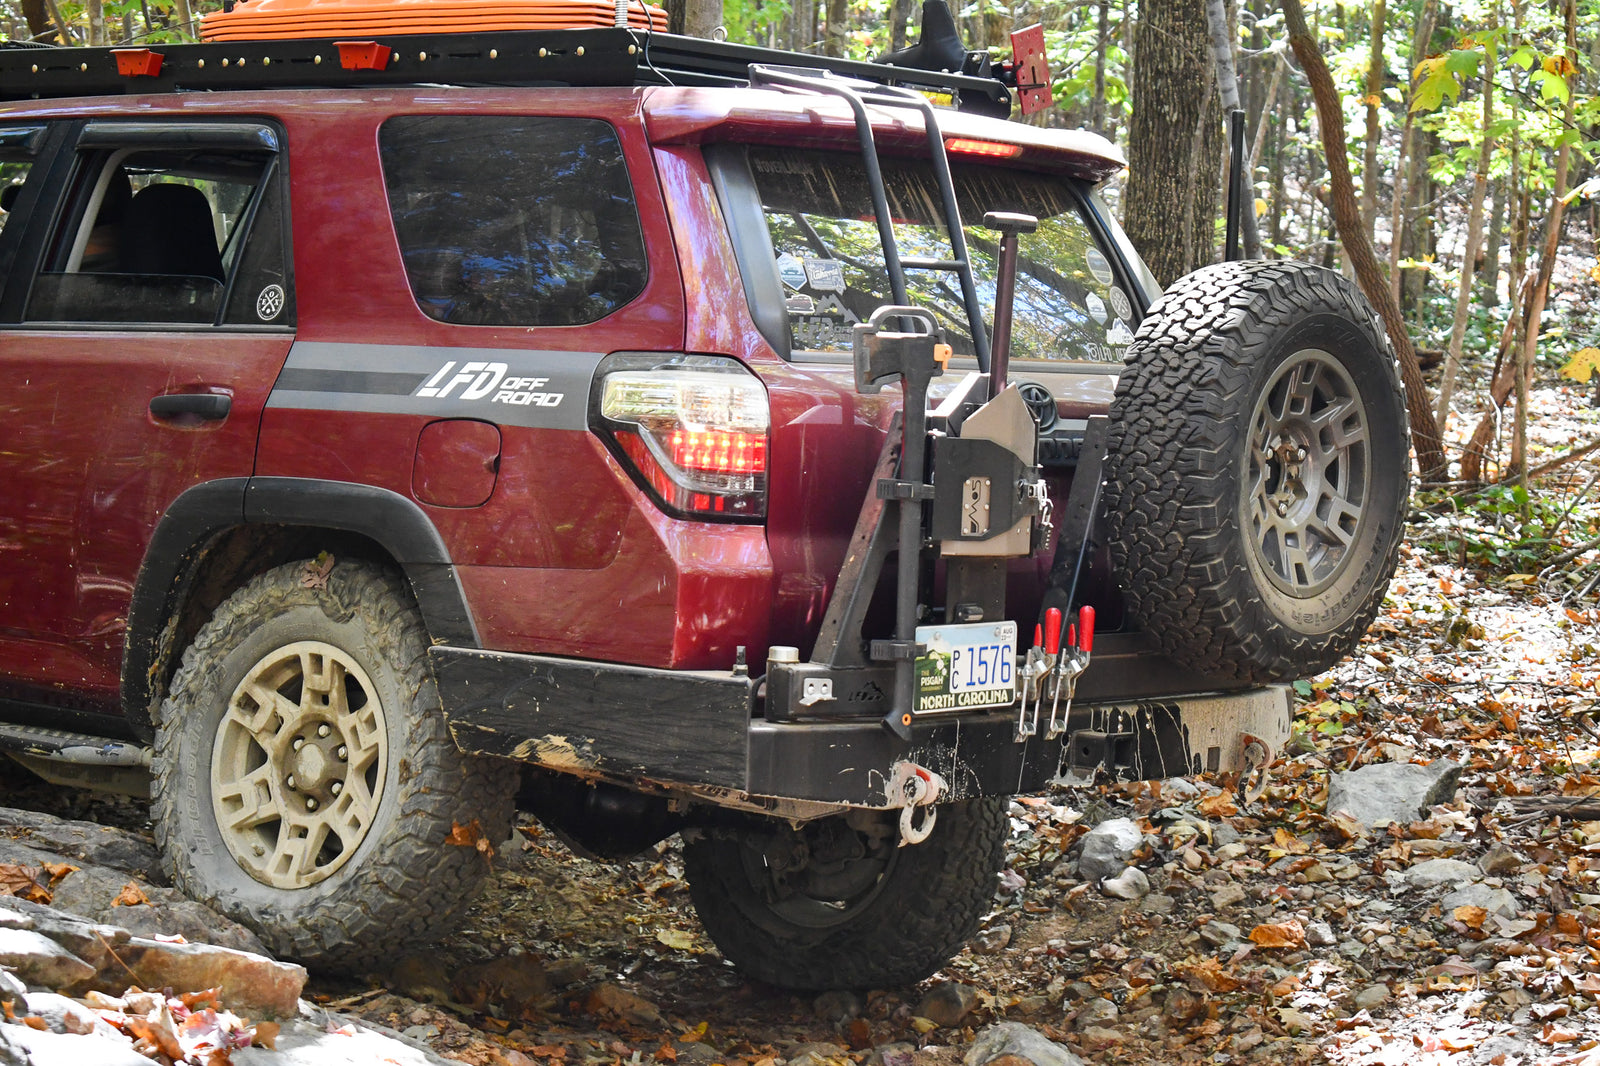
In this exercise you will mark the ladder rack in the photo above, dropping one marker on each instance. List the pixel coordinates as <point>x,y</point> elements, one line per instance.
<point>583,57</point>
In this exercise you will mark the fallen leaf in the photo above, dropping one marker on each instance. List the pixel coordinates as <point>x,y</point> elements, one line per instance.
<point>1288,842</point>
<point>315,575</point>
<point>1470,916</point>
<point>470,836</point>
<point>131,896</point>
<point>1219,806</point>
<point>1290,934</point>
<point>265,1035</point>
<point>666,1053</point>
<point>680,939</point>
<point>1210,975</point>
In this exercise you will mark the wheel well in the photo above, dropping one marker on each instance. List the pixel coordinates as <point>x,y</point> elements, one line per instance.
<point>226,562</point>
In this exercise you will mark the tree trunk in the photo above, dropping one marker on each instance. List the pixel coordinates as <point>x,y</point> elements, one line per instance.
<point>1515,376</point>
<point>1097,106</point>
<point>701,17</point>
<point>38,19</point>
<point>1369,154</point>
<point>1469,254</point>
<point>1330,117</point>
<point>1171,195</point>
<point>899,18</point>
<point>1218,23</point>
<point>834,28</point>
<point>1489,291</point>
<point>1405,169</point>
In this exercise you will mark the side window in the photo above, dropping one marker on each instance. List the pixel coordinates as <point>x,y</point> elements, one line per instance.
<point>169,233</point>
<point>1069,304</point>
<point>513,221</point>
<point>17,145</point>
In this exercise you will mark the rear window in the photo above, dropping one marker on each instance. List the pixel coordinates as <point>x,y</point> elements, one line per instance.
<point>511,220</point>
<point>1070,304</point>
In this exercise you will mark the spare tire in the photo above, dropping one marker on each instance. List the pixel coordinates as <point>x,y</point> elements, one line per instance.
<point>1257,473</point>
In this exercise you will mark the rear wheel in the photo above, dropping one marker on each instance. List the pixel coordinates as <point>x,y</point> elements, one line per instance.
<point>838,904</point>
<point>305,780</point>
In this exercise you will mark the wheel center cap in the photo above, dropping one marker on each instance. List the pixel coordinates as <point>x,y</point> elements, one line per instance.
<point>311,766</point>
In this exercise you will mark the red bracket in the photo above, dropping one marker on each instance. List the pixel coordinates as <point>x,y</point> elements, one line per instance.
<point>137,62</point>
<point>362,55</point>
<point>1032,69</point>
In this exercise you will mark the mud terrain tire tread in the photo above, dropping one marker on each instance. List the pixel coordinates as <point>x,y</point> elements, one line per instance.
<point>406,886</point>
<point>934,896</point>
<point>1178,429</point>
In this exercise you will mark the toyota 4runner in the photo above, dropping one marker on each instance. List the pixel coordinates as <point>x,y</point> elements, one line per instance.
<point>669,435</point>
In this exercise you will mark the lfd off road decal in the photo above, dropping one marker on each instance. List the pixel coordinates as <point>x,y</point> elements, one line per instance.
<point>543,390</point>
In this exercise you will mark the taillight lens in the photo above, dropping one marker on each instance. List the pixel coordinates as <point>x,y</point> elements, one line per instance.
<point>694,431</point>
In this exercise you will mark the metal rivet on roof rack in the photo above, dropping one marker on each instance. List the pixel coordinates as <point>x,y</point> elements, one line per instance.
<point>224,62</point>
<point>494,53</point>
<point>543,52</point>
<point>422,57</point>
<point>316,60</point>
<point>241,61</point>
<point>200,64</point>
<point>36,68</point>
<point>633,50</point>
<point>83,67</point>
<point>266,61</point>
<point>580,50</point>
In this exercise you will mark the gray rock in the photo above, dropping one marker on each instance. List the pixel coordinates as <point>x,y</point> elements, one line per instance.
<point>303,1042</point>
<point>1224,834</point>
<point>85,842</point>
<point>1180,789</point>
<point>1382,793</point>
<point>11,987</point>
<point>1097,1011</point>
<point>1320,935</point>
<point>1227,896</point>
<point>1219,933</point>
<point>896,1054</point>
<point>91,891</point>
<point>818,1054</point>
<point>40,961</point>
<point>1494,900</point>
<point>1130,884</point>
<point>1014,1038</point>
<point>1371,998</point>
<point>40,1047</point>
<point>837,1006</point>
<point>1107,848</point>
<point>250,984</point>
<point>1097,1038</point>
<point>990,941</point>
<point>1500,861</point>
<point>947,1003</point>
<point>1436,872</point>
<point>64,1015</point>
<point>1158,904</point>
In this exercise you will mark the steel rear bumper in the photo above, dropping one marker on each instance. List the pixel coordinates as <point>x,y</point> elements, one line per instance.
<point>700,730</point>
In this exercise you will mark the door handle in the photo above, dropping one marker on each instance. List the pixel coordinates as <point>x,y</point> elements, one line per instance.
<point>206,406</point>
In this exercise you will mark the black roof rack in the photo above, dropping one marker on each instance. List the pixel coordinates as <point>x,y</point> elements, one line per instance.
<point>587,57</point>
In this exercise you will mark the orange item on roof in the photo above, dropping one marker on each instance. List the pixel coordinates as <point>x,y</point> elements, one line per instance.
<point>256,20</point>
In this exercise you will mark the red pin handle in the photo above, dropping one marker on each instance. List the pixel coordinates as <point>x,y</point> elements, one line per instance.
<point>1052,631</point>
<point>1038,636</point>
<point>1086,628</point>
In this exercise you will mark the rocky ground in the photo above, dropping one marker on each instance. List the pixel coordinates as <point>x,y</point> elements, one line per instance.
<point>1162,922</point>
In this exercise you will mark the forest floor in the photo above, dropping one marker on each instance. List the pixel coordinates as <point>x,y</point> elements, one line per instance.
<point>1273,933</point>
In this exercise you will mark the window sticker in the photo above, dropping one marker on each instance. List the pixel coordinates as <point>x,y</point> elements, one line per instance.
<point>1096,306</point>
<point>800,304</point>
<point>1119,334</point>
<point>1098,265</point>
<point>1120,305</point>
<point>828,326</point>
<point>792,271</point>
<point>825,275</point>
<point>269,303</point>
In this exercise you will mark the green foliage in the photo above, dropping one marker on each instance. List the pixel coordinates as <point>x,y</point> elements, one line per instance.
<point>1504,527</point>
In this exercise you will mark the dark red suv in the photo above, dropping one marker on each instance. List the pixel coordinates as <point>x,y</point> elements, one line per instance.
<point>655,434</point>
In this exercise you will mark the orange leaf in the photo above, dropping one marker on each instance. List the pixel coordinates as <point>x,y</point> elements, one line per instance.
<point>1286,986</point>
<point>1209,974</point>
<point>470,836</point>
<point>265,1035</point>
<point>1219,806</point>
<point>1470,916</point>
<point>666,1053</point>
<point>1290,934</point>
<point>1288,842</point>
<point>131,896</point>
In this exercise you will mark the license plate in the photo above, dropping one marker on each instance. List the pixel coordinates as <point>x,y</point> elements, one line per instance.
<point>967,666</point>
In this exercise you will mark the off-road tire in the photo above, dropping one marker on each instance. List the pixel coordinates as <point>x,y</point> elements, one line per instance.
<point>403,885</point>
<point>925,905</point>
<point>1210,567</point>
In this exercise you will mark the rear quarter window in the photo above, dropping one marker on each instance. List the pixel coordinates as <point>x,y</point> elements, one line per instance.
<point>512,220</point>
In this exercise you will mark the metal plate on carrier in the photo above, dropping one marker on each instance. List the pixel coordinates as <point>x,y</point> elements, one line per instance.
<point>967,666</point>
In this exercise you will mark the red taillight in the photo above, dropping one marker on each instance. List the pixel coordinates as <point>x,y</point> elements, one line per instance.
<point>693,430</point>
<point>720,452</point>
<point>991,149</point>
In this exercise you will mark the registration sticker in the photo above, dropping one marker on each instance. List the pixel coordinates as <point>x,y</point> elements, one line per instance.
<point>967,666</point>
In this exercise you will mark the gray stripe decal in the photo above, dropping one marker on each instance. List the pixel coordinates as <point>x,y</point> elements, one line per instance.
<point>510,386</point>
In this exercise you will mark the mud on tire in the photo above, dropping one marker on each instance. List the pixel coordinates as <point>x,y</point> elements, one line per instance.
<point>305,782</point>
<point>1258,470</point>
<point>837,904</point>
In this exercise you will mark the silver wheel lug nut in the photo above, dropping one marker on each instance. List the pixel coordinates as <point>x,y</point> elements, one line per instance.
<point>311,804</point>
<point>289,781</point>
<point>258,850</point>
<point>324,729</point>
<point>299,742</point>
<point>344,752</point>
<point>336,788</point>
